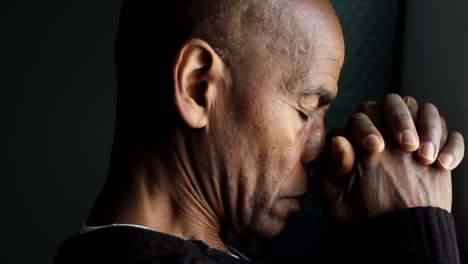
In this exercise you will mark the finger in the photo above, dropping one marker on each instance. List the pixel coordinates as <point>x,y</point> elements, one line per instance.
<point>342,158</point>
<point>412,105</point>
<point>443,138</point>
<point>398,117</point>
<point>452,154</point>
<point>371,109</point>
<point>363,133</point>
<point>430,133</point>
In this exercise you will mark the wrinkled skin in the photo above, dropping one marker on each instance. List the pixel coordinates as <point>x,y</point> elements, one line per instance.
<point>395,175</point>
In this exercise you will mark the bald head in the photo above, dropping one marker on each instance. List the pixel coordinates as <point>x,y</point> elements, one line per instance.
<point>227,25</point>
<point>242,32</point>
<point>273,26</point>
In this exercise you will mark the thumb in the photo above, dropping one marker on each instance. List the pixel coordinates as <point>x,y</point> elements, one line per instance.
<point>342,158</point>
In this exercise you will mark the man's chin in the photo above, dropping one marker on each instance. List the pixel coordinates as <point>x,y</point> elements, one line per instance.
<point>283,207</point>
<point>276,219</point>
<point>271,229</point>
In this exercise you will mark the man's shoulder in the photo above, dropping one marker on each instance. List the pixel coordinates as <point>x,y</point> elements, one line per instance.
<point>135,245</point>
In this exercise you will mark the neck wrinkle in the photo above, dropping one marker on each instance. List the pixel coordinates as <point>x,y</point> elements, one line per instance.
<point>197,209</point>
<point>159,191</point>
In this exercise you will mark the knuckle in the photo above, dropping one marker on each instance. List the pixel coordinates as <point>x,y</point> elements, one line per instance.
<point>443,122</point>
<point>430,126</point>
<point>432,129</point>
<point>402,117</point>
<point>362,107</point>
<point>458,136</point>
<point>358,117</point>
<point>391,97</point>
<point>366,128</point>
<point>367,106</point>
<point>361,123</point>
<point>410,101</point>
<point>429,108</point>
<point>456,145</point>
<point>443,126</point>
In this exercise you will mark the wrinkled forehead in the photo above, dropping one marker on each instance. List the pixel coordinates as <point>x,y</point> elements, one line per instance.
<point>302,39</point>
<point>314,53</point>
<point>320,30</point>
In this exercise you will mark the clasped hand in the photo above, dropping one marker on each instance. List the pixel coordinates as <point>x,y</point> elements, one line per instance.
<point>390,156</point>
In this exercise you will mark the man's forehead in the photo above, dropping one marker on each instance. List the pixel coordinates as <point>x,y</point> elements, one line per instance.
<point>319,25</point>
<point>320,31</point>
<point>306,46</point>
<point>317,68</point>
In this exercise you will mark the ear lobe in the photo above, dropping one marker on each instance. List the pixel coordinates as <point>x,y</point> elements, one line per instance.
<point>195,76</point>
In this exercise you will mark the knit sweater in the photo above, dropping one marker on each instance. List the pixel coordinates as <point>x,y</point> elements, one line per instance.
<point>418,235</point>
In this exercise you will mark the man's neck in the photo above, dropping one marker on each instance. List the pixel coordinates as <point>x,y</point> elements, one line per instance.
<point>160,192</point>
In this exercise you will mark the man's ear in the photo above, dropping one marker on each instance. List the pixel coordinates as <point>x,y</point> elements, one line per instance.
<point>197,73</point>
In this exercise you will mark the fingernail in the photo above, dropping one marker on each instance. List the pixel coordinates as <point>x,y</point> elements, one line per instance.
<point>446,161</point>
<point>373,142</point>
<point>408,138</point>
<point>427,151</point>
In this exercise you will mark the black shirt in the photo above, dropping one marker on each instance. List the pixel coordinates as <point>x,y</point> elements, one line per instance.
<point>418,235</point>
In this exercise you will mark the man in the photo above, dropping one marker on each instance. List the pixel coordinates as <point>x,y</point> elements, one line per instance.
<point>220,114</point>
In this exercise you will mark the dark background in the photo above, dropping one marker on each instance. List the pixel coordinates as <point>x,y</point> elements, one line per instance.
<point>60,73</point>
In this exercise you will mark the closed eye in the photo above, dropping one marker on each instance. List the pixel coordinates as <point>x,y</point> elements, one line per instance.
<point>303,116</point>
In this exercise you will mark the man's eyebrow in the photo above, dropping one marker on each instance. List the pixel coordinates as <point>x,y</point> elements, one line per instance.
<point>325,97</point>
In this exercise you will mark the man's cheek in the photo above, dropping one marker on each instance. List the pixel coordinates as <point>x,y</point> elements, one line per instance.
<point>289,160</point>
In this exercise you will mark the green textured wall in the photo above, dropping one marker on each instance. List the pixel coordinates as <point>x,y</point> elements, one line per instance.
<point>372,37</point>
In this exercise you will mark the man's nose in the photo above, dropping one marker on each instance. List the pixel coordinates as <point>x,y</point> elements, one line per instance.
<point>315,143</point>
